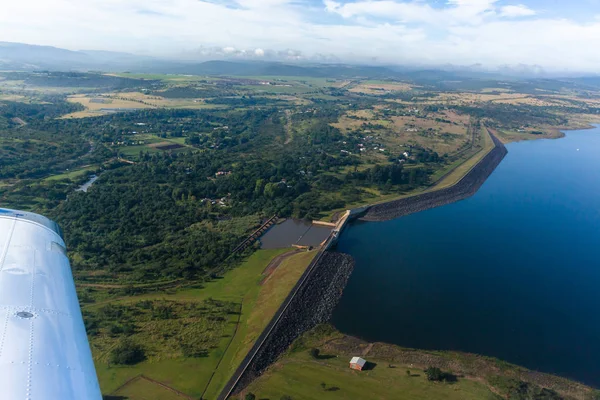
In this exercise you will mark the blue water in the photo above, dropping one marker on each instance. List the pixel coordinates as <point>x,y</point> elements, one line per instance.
<point>512,272</point>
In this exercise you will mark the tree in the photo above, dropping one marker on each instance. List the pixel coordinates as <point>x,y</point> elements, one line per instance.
<point>315,353</point>
<point>127,352</point>
<point>434,374</point>
<point>250,396</point>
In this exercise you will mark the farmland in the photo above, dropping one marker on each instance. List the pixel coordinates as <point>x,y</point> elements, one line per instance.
<point>189,165</point>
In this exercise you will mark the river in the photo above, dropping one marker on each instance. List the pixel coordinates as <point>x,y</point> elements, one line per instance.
<point>512,272</point>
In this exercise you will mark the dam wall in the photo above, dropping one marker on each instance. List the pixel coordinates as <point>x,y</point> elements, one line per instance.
<point>310,303</point>
<point>463,189</point>
<point>313,299</point>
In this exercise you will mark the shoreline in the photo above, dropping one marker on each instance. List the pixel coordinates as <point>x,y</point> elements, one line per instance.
<point>464,188</point>
<point>494,373</point>
<point>362,212</point>
<point>315,296</point>
<point>469,185</point>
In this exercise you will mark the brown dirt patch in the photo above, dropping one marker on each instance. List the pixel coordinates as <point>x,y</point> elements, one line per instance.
<point>165,146</point>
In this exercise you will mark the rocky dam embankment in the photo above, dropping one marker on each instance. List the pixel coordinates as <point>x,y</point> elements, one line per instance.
<point>310,305</point>
<point>465,188</point>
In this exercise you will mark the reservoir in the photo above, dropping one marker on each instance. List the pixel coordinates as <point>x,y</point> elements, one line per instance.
<point>512,272</point>
<point>294,232</point>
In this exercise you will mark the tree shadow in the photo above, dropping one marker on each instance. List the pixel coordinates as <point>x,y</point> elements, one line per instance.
<point>107,397</point>
<point>325,356</point>
<point>369,366</point>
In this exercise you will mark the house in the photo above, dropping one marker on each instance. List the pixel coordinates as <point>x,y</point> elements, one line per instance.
<point>357,363</point>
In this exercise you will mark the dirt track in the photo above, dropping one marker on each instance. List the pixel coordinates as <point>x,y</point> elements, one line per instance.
<point>276,262</point>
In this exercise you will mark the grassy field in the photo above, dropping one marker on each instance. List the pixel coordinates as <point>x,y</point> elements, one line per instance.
<point>463,167</point>
<point>304,80</point>
<point>72,174</point>
<point>259,305</point>
<point>443,132</point>
<point>456,171</point>
<point>144,389</point>
<point>398,373</point>
<point>257,297</point>
<point>302,377</point>
<point>95,105</point>
<point>379,88</point>
<point>164,77</point>
<point>150,145</point>
<point>508,136</point>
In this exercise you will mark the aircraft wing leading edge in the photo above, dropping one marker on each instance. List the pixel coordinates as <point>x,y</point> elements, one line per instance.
<point>44,351</point>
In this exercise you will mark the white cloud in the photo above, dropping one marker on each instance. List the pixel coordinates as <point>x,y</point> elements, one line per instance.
<point>516,11</point>
<point>404,12</point>
<point>391,31</point>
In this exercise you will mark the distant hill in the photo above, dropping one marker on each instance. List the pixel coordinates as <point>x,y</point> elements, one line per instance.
<point>26,57</point>
<point>259,68</point>
<point>31,57</point>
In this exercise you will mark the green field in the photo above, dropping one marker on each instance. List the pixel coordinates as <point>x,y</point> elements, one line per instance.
<point>133,152</point>
<point>302,378</point>
<point>259,306</point>
<point>394,372</point>
<point>73,174</point>
<point>462,167</point>
<point>257,300</point>
<point>164,77</point>
<point>144,389</point>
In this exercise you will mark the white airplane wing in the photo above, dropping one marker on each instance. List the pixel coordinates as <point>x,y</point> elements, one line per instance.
<point>44,351</point>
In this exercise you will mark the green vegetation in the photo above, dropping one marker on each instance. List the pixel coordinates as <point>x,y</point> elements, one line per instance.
<point>73,175</point>
<point>261,305</point>
<point>300,378</point>
<point>207,329</point>
<point>513,388</point>
<point>185,179</point>
<point>398,373</point>
<point>126,352</point>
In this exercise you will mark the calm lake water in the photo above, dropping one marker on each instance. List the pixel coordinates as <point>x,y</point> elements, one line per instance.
<point>294,231</point>
<point>512,272</point>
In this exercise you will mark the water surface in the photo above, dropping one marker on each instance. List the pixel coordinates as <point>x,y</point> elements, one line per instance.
<point>294,231</point>
<point>512,272</point>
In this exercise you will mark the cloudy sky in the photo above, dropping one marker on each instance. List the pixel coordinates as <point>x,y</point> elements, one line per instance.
<point>556,34</point>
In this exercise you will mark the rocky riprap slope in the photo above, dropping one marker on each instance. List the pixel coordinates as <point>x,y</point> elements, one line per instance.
<point>313,304</point>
